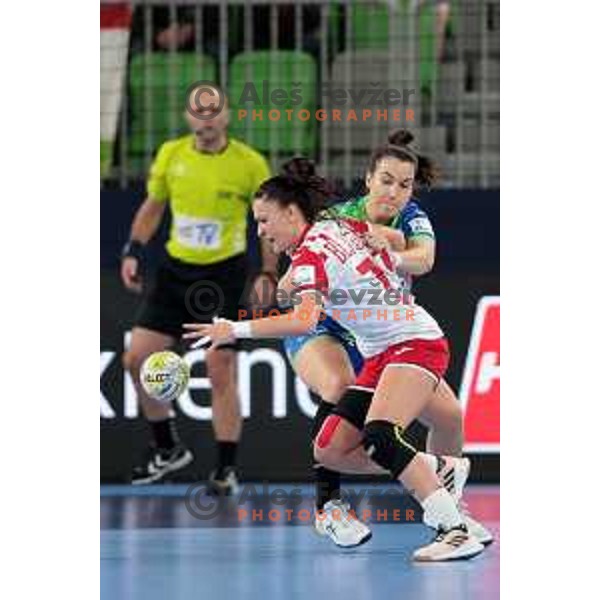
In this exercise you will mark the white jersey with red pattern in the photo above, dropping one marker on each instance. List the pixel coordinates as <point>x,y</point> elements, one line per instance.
<point>358,286</point>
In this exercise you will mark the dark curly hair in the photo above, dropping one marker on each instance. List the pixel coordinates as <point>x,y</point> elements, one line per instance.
<point>299,184</point>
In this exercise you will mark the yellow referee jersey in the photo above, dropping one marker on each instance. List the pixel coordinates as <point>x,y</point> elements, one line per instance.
<point>209,196</point>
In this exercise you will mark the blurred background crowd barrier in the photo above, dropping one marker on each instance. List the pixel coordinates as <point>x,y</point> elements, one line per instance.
<point>441,56</point>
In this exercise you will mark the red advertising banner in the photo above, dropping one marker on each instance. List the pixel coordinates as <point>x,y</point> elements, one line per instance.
<point>480,388</point>
<point>115,15</point>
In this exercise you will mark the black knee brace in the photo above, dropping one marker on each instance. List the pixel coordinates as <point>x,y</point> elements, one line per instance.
<point>354,406</point>
<point>324,410</point>
<point>384,443</point>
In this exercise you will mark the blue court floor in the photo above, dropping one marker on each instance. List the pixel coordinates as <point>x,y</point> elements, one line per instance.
<point>173,542</point>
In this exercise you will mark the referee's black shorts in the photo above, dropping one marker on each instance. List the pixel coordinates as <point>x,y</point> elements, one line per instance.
<point>187,293</point>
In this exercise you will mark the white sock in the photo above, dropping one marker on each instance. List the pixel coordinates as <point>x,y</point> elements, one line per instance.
<point>431,461</point>
<point>440,510</point>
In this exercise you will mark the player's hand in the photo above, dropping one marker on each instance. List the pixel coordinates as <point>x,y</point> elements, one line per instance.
<point>381,237</point>
<point>376,242</point>
<point>263,292</point>
<point>396,240</point>
<point>219,332</point>
<point>130,274</point>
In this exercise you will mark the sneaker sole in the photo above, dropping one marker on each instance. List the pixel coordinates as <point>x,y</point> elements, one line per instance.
<point>362,541</point>
<point>214,488</point>
<point>470,554</point>
<point>184,461</point>
<point>152,479</point>
<point>486,539</point>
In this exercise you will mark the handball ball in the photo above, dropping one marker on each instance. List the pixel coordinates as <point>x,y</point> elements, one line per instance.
<point>164,376</point>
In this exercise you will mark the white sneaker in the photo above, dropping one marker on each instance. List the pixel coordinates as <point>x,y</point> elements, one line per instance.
<point>454,474</point>
<point>224,483</point>
<point>476,529</point>
<point>336,522</point>
<point>160,464</point>
<point>454,544</point>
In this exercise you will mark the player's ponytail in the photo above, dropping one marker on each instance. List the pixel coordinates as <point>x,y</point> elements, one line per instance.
<point>400,137</point>
<point>299,168</point>
<point>298,183</point>
<point>400,145</point>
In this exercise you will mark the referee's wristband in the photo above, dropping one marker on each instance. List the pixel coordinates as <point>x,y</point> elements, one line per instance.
<point>134,249</point>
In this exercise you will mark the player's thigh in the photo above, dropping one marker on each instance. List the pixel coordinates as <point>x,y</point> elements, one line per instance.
<point>443,409</point>
<point>401,395</point>
<point>324,366</point>
<point>144,342</point>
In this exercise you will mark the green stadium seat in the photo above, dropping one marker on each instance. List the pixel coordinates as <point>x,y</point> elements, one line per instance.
<point>371,31</point>
<point>370,26</point>
<point>286,70</point>
<point>157,86</point>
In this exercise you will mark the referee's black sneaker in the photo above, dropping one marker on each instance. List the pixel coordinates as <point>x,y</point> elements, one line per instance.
<point>223,482</point>
<point>160,463</point>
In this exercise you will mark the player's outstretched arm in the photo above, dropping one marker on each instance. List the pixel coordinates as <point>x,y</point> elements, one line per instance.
<point>299,321</point>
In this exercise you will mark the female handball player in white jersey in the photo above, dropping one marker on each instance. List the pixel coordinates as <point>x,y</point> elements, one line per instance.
<point>327,359</point>
<point>405,350</point>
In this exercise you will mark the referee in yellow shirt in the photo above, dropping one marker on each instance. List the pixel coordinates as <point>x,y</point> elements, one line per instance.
<point>208,181</point>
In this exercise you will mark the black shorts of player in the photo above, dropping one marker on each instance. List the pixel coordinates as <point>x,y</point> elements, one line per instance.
<point>188,293</point>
